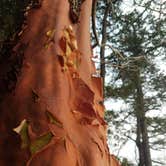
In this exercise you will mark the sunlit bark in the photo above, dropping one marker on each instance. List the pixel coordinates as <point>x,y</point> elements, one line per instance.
<point>53,116</point>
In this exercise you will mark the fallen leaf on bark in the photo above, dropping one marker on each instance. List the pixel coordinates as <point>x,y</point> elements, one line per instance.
<point>50,33</point>
<point>68,50</point>
<point>50,38</point>
<point>68,45</point>
<point>22,130</point>
<point>46,45</point>
<point>40,142</point>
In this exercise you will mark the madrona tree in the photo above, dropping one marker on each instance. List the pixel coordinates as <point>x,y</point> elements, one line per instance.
<point>50,104</point>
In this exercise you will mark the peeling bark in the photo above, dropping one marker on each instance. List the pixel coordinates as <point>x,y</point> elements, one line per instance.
<point>58,99</point>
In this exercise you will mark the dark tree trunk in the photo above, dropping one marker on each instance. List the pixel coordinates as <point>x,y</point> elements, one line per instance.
<point>103,43</point>
<point>143,140</point>
<point>139,140</point>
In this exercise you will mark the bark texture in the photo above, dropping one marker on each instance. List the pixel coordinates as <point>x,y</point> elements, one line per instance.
<point>52,114</point>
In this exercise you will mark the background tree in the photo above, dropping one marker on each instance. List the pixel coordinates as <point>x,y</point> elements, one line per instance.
<point>136,39</point>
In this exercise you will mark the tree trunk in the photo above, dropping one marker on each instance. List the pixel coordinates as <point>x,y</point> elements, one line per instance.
<point>51,114</point>
<point>144,149</point>
<point>103,43</point>
<point>139,140</point>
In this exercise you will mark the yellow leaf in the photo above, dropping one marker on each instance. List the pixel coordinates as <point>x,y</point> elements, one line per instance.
<point>50,33</point>
<point>68,50</point>
<point>22,130</point>
<point>71,37</point>
<point>53,120</point>
<point>67,36</point>
<point>46,45</point>
<point>40,142</point>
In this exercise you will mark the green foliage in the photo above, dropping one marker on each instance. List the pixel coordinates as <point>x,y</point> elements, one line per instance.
<point>136,39</point>
<point>40,142</point>
<point>125,162</point>
<point>11,20</point>
<point>123,92</point>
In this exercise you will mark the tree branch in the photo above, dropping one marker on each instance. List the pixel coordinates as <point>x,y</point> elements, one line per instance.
<point>94,6</point>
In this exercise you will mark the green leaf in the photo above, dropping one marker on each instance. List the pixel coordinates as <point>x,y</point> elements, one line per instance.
<point>22,130</point>
<point>53,120</point>
<point>40,142</point>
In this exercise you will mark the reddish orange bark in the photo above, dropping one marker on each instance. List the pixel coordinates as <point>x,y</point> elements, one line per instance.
<point>57,99</point>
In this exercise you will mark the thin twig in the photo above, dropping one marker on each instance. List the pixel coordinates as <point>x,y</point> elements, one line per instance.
<point>159,11</point>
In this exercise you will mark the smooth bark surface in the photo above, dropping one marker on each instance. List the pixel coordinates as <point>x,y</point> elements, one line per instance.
<point>53,116</point>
